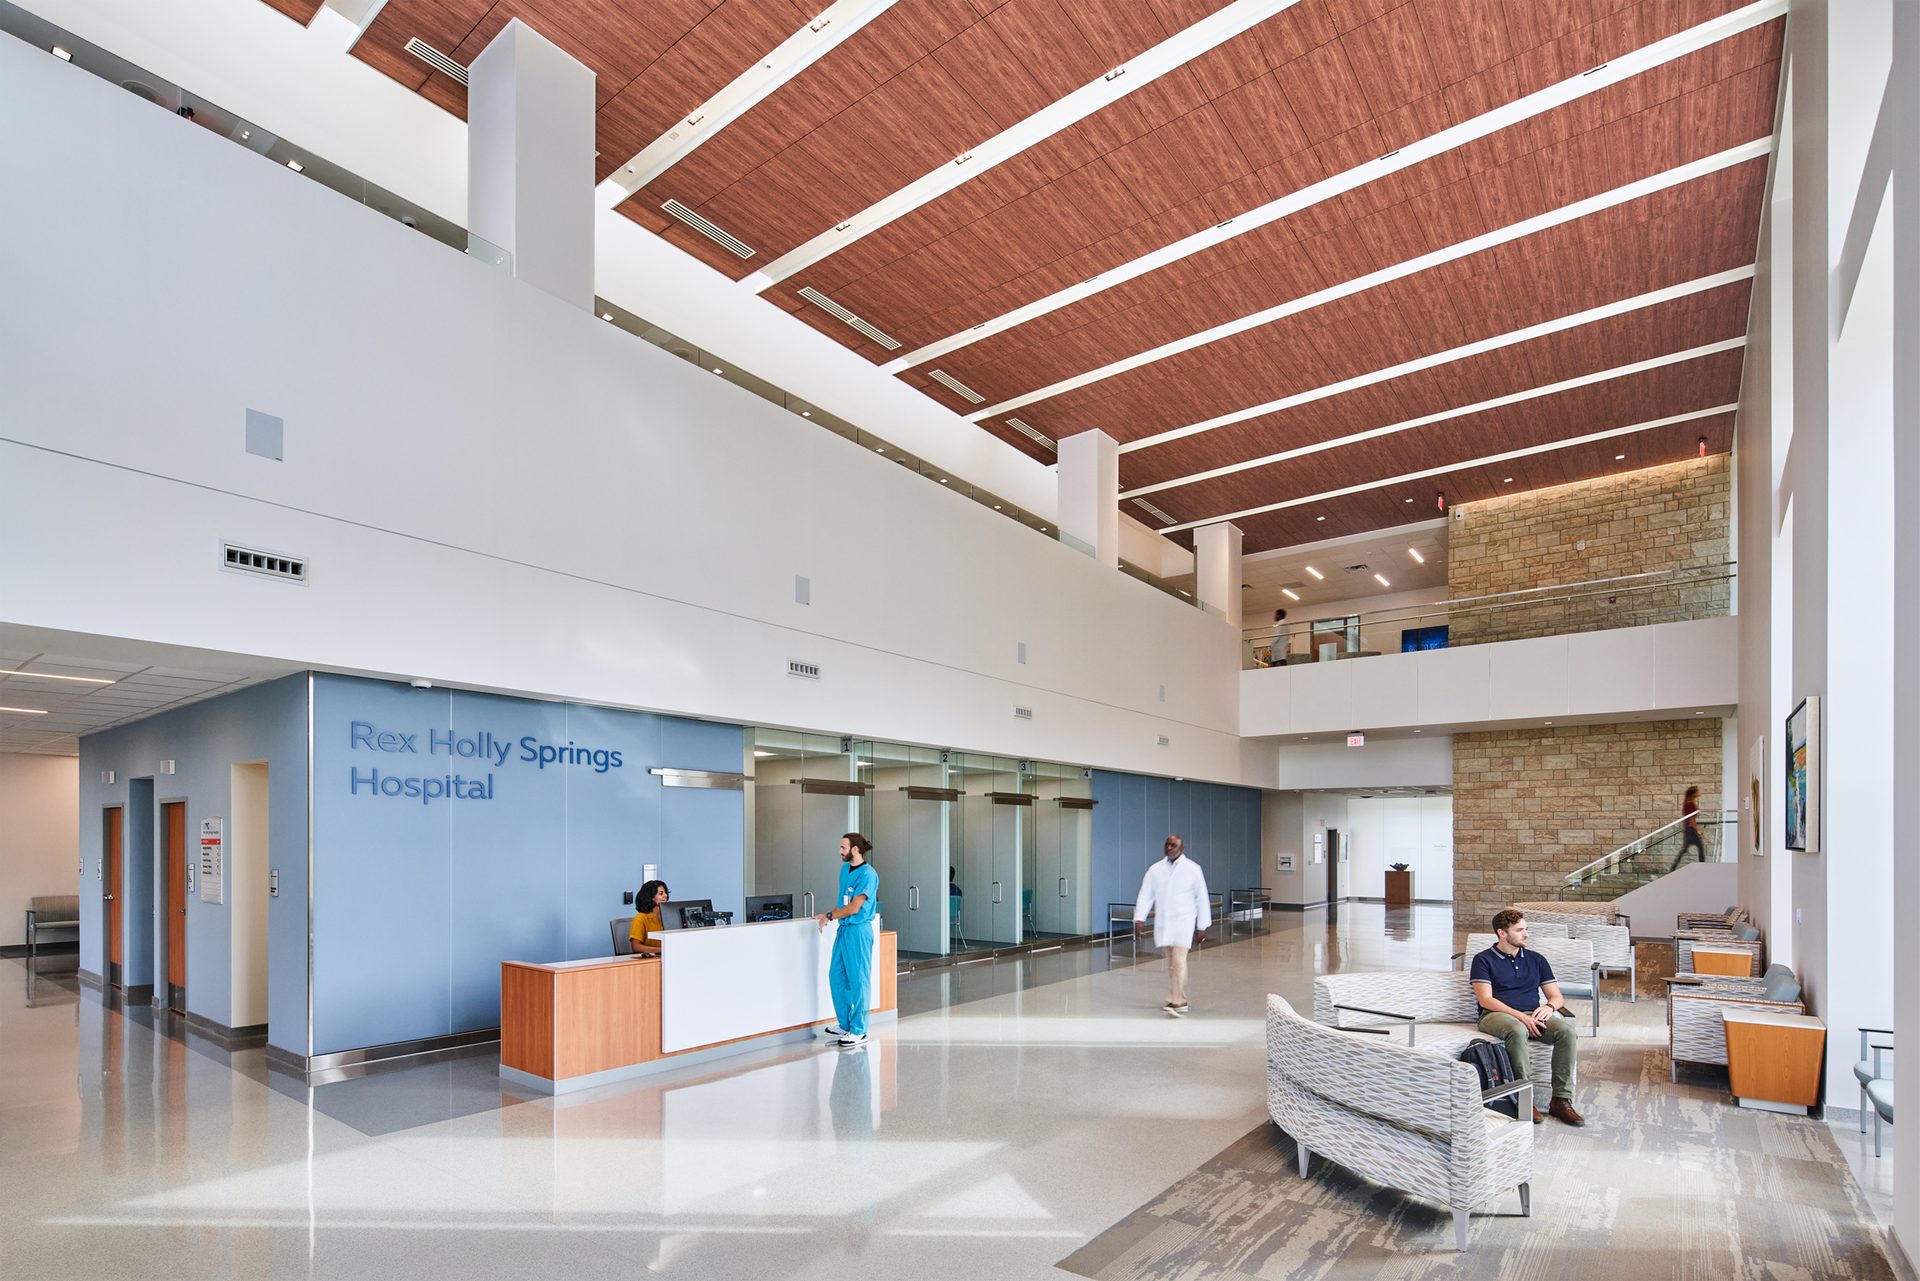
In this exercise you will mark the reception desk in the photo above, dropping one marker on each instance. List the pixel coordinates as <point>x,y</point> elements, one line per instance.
<point>573,1025</point>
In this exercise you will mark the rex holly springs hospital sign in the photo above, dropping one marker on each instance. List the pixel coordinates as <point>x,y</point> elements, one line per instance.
<point>438,765</point>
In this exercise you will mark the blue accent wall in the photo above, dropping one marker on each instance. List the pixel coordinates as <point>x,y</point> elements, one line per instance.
<point>418,897</point>
<point>1136,812</point>
<point>265,723</point>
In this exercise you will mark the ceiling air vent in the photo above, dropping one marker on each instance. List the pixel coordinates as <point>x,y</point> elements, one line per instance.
<point>957,387</point>
<point>840,313</point>
<point>1359,569</point>
<point>733,244</point>
<point>806,671</point>
<point>438,61</point>
<point>1161,740</point>
<point>1153,511</point>
<point>1023,713</point>
<point>251,560</point>
<point>1031,432</point>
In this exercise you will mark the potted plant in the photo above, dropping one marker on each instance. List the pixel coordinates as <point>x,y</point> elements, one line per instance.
<point>1399,885</point>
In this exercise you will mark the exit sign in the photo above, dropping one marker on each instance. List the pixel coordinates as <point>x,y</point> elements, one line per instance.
<point>1356,740</point>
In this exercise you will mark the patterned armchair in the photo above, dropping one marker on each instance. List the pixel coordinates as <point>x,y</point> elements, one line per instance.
<point>1574,968</point>
<point>1401,1117</point>
<point>1697,1029</point>
<point>1613,952</point>
<point>1434,1009</point>
<point>1741,938</point>
<point>1573,910</point>
<point>1712,920</point>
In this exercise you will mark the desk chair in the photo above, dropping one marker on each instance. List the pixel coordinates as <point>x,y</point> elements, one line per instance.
<point>953,923</point>
<point>1026,910</point>
<point>622,927</point>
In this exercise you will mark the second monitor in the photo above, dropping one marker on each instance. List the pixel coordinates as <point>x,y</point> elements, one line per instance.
<point>770,907</point>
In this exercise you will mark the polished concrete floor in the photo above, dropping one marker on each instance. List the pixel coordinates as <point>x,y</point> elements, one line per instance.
<point>1015,1111</point>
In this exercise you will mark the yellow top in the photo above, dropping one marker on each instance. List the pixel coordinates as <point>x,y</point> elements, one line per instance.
<point>644,926</point>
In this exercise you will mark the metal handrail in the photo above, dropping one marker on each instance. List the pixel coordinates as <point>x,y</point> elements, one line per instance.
<point>1577,591</point>
<point>1645,840</point>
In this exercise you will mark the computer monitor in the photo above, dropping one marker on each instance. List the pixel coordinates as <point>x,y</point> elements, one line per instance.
<point>770,907</point>
<point>673,916</point>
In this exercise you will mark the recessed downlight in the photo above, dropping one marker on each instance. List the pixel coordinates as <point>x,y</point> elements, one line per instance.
<point>1319,517</point>
<point>296,166</point>
<point>1506,480</point>
<point>62,54</point>
<point>1289,593</point>
<point>1619,458</point>
<point>1316,573</point>
<point>606,315</point>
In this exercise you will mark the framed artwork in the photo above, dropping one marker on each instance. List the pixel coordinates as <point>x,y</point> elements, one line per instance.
<point>1803,777</point>
<point>1756,795</point>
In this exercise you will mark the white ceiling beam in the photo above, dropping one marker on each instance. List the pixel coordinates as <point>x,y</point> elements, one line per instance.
<point>1636,190</point>
<point>1486,461</point>
<point>747,90</point>
<point>1534,104</point>
<point>1169,55</point>
<point>1513,337</point>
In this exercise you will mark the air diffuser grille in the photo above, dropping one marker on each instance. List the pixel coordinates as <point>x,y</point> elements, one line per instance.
<point>840,313</point>
<point>733,244</point>
<point>250,560</point>
<point>1031,432</point>
<point>438,61</point>
<point>1153,511</point>
<point>957,387</point>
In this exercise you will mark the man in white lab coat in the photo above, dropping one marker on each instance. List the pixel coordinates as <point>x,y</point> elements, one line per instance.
<point>1174,892</point>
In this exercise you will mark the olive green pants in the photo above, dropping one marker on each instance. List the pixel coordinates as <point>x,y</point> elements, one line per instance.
<point>1557,1032</point>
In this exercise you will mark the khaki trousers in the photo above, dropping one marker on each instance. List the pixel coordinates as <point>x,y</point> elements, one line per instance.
<point>1176,975</point>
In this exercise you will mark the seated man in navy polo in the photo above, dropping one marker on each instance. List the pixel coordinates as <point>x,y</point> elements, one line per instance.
<point>1520,1002</point>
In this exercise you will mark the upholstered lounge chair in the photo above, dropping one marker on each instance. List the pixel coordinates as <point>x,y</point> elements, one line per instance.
<point>1413,1121</point>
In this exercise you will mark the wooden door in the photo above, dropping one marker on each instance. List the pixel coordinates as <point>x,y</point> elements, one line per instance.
<point>176,818</point>
<point>115,817</point>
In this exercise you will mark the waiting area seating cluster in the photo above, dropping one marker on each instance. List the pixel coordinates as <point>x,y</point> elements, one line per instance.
<point>1375,1081</point>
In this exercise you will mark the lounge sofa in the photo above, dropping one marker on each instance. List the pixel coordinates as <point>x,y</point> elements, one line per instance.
<point>1741,937</point>
<point>1408,1119</point>
<point>1429,1010</point>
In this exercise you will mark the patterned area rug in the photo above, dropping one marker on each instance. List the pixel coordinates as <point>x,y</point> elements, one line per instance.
<point>1665,1181</point>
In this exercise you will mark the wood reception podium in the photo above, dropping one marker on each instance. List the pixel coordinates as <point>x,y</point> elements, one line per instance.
<point>724,989</point>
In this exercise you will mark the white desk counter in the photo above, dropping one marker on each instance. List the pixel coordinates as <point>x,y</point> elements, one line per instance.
<point>724,989</point>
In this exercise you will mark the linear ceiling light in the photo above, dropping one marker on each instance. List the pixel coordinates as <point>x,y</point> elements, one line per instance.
<point>1479,347</point>
<point>1535,104</point>
<point>1490,459</point>
<point>53,676</point>
<point>1464,411</point>
<point>24,711</point>
<point>1418,559</point>
<point>1639,189</point>
<point>747,90</point>
<point>1316,573</point>
<point>1169,55</point>
<point>1289,593</point>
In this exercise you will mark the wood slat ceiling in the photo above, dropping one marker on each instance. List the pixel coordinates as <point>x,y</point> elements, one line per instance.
<point>1322,87</point>
<point>301,11</point>
<point>966,259</point>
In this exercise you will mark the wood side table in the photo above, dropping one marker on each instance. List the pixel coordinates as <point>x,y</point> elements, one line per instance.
<point>1774,1059</point>
<point>1400,888</point>
<point>1732,962</point>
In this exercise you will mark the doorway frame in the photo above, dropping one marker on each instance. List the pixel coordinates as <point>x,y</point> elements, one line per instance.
<point>165,995</point>
<point>112,972</point>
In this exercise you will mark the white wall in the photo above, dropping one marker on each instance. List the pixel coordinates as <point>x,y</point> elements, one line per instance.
<point>1694,887</point>
<point>1609,673</point>
<point>1415,830</point>
<point>248,857</point>
<point>497,491</point>
<point>1424,760</point>
<point>1320,812</point>
<point>39,834</point>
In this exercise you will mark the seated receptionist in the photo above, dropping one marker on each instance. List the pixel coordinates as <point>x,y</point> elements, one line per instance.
<point>647,922</point>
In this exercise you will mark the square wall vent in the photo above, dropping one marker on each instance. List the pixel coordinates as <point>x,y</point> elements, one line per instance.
<point>806,671</point>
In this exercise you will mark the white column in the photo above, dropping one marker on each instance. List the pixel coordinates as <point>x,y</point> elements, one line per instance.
<point>530,120</point>
<point>1216,561</point>
<point>1090,495</point>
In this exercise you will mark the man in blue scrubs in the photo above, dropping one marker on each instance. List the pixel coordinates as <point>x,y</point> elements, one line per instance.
<point>850,978</point>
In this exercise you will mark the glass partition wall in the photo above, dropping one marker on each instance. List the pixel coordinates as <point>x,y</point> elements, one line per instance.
<point>975,853</point>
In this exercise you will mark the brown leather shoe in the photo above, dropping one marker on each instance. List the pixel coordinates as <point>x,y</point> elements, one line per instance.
<point>1538,1116</point>
<point>1562,1109</point>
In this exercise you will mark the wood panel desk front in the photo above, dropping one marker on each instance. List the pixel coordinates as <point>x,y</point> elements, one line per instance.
<point>571,1025</point>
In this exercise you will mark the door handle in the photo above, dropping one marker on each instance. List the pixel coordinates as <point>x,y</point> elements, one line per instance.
<point>1063,887</point>
<point>183,911</point>
<point>808,896</point>
<point>106,898</point>
<point>996,891</point>
<point>913,898</point>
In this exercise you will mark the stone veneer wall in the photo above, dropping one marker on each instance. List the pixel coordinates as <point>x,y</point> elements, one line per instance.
<point>1531,805</point>
<point>1659,518</point>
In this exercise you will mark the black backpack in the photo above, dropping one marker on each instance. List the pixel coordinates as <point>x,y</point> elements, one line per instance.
<point>1495,1066</point>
